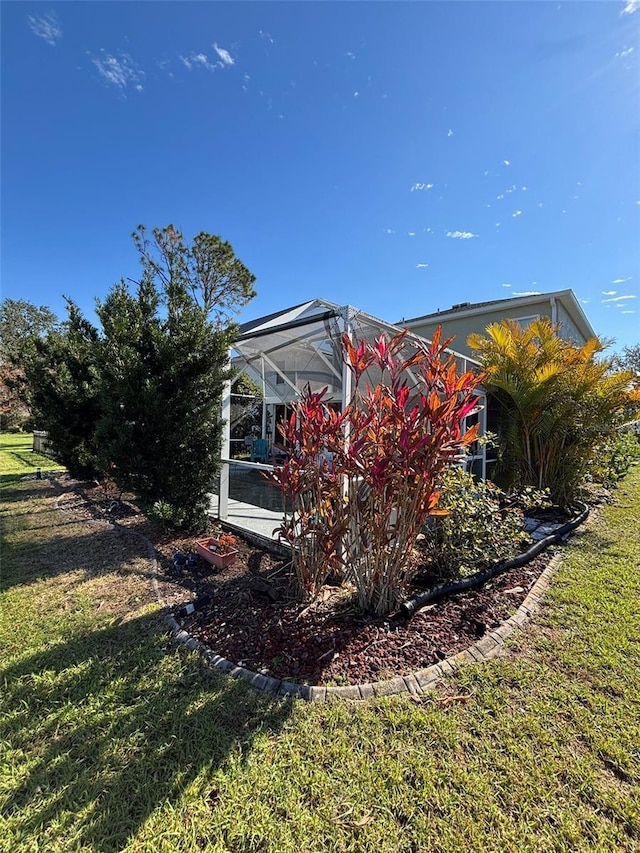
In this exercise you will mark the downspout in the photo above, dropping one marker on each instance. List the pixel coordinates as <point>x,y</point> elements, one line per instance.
<point>554,311</point>
<point>347,394</point>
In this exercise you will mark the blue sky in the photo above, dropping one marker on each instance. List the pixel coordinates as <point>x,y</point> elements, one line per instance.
<point>397,156</point>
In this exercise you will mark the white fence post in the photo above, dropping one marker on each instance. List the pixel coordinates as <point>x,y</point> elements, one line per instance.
<point>225,449</point>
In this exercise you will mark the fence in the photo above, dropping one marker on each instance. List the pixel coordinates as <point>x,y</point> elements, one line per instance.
<point>41,443</point>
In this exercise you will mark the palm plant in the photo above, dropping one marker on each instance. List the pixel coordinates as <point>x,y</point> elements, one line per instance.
<point>557,400</point>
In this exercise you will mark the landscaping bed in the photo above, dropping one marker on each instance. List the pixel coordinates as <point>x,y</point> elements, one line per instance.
<point>331,641</point>
<point>255,619</point>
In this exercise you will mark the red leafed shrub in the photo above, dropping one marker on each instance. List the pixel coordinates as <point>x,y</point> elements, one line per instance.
<point>363,482</point>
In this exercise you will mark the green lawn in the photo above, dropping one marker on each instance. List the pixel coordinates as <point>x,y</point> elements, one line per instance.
<point>111,741</point>
<point>18,458</point>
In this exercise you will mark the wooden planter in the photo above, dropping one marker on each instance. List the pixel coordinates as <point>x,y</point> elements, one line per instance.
<point>221,561</point>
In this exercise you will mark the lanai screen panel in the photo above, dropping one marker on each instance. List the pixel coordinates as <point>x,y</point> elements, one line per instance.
<point>303,345</point>
<point>284,359</point>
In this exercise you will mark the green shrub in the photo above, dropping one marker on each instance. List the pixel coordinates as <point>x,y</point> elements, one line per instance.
<point>615,456</point>
<point>169,517</point>
<point>477,529</point>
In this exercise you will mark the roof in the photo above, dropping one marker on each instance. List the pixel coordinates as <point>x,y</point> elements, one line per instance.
<point>268,318</point>
<point>566,297</point>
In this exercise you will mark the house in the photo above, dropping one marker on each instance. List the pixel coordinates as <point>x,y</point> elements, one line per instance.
<point>302,345</point>
<point>282,353</point>
<point>459,321</point>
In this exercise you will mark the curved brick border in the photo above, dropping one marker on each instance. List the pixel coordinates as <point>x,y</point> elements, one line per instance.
<point>416,682</point>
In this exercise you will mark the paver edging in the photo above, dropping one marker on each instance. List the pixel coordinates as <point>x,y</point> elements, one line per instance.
<point>421,681</point>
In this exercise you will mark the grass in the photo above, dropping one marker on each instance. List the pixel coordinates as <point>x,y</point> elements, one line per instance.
<point>18,458</point>
<point>111,741</point>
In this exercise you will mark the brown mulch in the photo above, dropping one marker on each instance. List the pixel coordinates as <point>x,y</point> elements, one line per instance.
<point>255,619</point>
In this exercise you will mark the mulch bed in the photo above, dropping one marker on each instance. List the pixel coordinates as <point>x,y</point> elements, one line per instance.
<point>255,619</point>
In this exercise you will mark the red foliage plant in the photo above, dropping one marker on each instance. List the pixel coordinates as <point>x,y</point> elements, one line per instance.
<point>362,482</point>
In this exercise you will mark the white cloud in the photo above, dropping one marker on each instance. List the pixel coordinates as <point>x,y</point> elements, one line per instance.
<point>506,285</point>
<point>621,280</point>
<point>421,266</point>
<point>524,189</point>
<point>631,7</point>
<point>526,293</point>
<point>350,55</point>
<point>225,56</point>
<point>198,60</point>
<point>389,231</point>
<point>46,27</point>
<point>517,213</point>
<point>461,235</point>
<point>119,71</point>
<point>506,162</point>
<point>619,298</point>
<point>609,292</point>
<point>627,312</point>
<point>500,197</point>
<point>412,233</point>
<point>356,94</point>
<point>417,187</point>
<point>427,230</point>
<point>626,52</point>
<point>585,301</point>
<point>265,36</point>
<point>449,132</point>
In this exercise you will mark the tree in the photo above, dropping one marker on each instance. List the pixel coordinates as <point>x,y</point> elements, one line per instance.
<point>21,323</point>
<point>208,269</point>
<point>165,361</point>
<point>629,359</point>
<point>557,402</point>
<point>63,379</point>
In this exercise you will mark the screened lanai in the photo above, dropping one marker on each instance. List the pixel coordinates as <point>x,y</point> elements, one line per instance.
<point>282,353</point>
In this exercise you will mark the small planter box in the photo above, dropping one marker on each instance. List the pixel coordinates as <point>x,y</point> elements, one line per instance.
<point>207,550</point>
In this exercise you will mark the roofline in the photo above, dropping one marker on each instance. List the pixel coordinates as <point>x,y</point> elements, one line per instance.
<point>419,339</point>
<point>283,327</point>
<point>249,325</point>
<point>579,310</point>
<point>516,300</point>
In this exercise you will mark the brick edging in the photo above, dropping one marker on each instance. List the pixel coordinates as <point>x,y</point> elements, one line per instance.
<point>416,682</point>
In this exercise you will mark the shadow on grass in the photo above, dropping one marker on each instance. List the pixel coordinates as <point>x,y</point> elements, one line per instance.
<point>111,727</point>
<point>41,541</point>
<point>95,553</point>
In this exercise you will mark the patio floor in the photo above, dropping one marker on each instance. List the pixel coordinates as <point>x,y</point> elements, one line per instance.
<point>249,517</point>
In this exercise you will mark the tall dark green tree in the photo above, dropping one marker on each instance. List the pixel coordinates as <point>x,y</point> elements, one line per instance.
<point>62,372</point>
<point>164,364</point>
